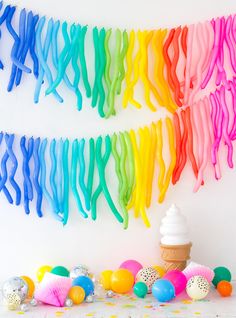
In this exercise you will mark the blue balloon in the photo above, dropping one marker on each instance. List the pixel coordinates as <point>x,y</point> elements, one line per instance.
<point>163,290</point>
<point>84,282</point>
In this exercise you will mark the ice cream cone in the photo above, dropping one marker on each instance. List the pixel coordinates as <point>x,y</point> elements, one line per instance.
<point>175,256</point>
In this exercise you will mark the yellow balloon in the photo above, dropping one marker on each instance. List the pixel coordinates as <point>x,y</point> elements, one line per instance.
<point>105,279</point>
<point>77,294</point>
<point>42,270</point>
<point>31,286</point>
<point>160,270</point>
<point>122,281</point>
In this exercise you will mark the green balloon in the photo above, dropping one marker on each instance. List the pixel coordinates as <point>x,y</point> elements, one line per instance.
<point>221,273</point>
<point>140,289</point>
<point>60,271</point>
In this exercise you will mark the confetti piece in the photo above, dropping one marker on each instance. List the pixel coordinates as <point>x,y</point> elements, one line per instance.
<point>113,316</point>
<point>176,311</point>
<point>91,314</point>
<point>197,313</point>
<point>110,304</point>
<point>20,313</point>
<point>59,313</point>
<point>128,306</point>
<point>187,301</point>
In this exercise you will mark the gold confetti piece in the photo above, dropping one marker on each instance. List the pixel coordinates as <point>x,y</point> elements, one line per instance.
<point>146,316</point>
<point>197,313</point>
<point>148,306</point>
<point>176,311</point>
<point>59,313</point>
<point>20,313</point>
<point>113,316</point>
<point>187,301</point>
<point>128,306</point>
<point>110,304</point>
<point>91,314</point>
<point>67,308</point>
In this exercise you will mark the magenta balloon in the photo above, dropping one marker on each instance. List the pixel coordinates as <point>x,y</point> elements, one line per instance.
<point>178,279</point>
<point>132,266</point>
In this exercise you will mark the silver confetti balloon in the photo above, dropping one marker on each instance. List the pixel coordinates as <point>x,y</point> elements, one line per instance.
<point>15,285</point>
<point>33,302</point>
<point>79,270</point>
<point>89,299</point>
<point>68,302</point>
<point>24,307</point>
<point>110,294</point>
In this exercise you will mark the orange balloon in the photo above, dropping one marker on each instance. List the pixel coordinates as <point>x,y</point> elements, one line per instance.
<point>122,281</point>
<point>224,288</point>
<point>77,294</point>
<point>31,286</point>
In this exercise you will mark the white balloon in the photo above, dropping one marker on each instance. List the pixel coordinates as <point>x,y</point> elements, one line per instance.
<point>197,287</point>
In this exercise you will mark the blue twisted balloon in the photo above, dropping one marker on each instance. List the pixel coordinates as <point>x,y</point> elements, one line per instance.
<point>32,46</point>
<point>16,45</point>
<point>27,184</point>
<point>4,189</point>
<point>53,175</point>
<point>48,197</point>
<point>82,174</point>
<point>42,56</point>
<point>9,142</point>
<point>65,181</point>
<point>37,186</point>
<point>74,165</point>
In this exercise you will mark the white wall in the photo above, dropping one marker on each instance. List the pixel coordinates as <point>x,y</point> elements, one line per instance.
<point>27,242</point>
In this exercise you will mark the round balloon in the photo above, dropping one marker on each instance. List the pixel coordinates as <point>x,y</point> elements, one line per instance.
<point>197,287</point>
<point>140,289</point>
<point>147,275</point>
<point>79,270</point>
<point>221,273</point>
<point>122,281</point>
<point>105,279</point>
<point>132,266</point>
<point>41,272</point>
<point>161,271</point>
<point>178,279</point>
<point>163,290</point>
<point>77,294</point>
<point>15,285</point>
<point>225,288</point>
<point>31,286</point>
<point>86,283</point>
<point>60,271</point>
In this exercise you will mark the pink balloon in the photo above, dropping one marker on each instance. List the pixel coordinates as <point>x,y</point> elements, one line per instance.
<point>178,279</point>
<point>132,266</point>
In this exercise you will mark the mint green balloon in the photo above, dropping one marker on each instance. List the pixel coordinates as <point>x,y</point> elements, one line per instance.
<point>60,271</point>
<point>140,289</point>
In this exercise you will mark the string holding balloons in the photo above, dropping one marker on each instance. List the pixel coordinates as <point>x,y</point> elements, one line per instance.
<point>174,66</point>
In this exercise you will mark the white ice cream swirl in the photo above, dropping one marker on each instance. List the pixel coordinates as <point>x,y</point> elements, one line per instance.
<point>174,229</point>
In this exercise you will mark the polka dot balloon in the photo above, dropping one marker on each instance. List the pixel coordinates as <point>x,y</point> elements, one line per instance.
<point>197,287</point>
<point>148,276</point>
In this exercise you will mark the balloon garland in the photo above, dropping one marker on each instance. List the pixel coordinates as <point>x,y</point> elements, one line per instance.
<point>185,61</point>
<point>195,134</point>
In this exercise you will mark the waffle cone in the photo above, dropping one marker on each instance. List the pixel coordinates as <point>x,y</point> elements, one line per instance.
<point>175,256</point>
